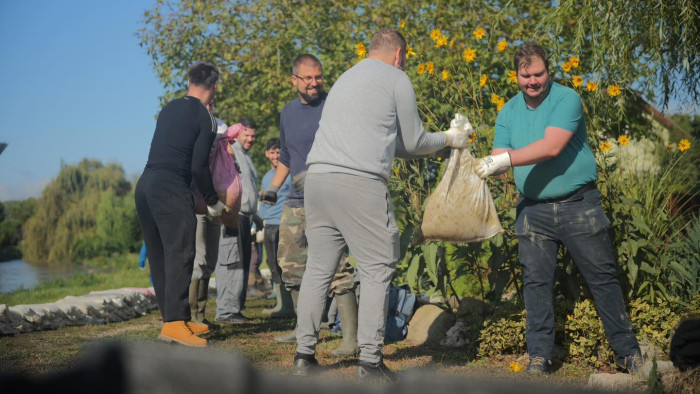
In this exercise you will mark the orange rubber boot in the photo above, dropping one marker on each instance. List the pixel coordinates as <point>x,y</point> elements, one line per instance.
<point>178,331</point>
<point>198,328</point>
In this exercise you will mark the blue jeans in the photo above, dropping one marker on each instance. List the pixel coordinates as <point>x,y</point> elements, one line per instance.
<point>581,226</point>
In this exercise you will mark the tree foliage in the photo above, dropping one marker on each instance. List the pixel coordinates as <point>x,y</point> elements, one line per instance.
<point>88,203</point>
<point>13,215</point>
<point>611,53</point>
<point>635,44</point>
<point>651,43</point>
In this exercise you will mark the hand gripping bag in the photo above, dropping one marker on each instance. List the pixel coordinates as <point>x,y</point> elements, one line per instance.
<point>460,209</point>
<point>225,177</point>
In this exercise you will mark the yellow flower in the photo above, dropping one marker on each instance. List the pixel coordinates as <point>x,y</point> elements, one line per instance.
<point>402,24</point>
<point>479,33</point>
<point>623,140</point>
<point>469,55</point>
<point>591,86</point>
<point>578,81</point>
<point>430,67</point>
<point>566,66</point>
<point>452,43</point>
<point>684,145</point>
<point>439,158</point>
<point>495,98</point>
<point>574,61</point>
<point>513,76</point>
<point>441,41</point>
<point>501,102</point>
<point>435,34</point>
<point>482,80</point>
<point>396,170</point>
<point>614,90</point>
<point>445,75</point>
<point>605,146</point>
<point>409,51</point>
<point>421,69</point>
<point>669,147</point>
<point>360,50</point>
<point>502,45</point>
<point>515,367</point>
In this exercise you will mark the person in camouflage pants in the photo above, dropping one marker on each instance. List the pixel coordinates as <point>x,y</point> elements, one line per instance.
<point>298,124</point>
<point>292,254</point>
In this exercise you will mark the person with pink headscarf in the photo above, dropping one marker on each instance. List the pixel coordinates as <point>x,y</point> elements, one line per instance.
<point>235,243</point>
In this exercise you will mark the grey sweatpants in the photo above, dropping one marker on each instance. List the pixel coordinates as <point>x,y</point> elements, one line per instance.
<point>346,210</point>
<point>229,276</point>
<point>206,247</point>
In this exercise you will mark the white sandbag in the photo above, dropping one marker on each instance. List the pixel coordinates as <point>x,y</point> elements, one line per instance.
<point>460,209</point>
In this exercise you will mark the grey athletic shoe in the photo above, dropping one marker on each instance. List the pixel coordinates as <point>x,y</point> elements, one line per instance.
<point>538,366</point>
<point>632,363</point>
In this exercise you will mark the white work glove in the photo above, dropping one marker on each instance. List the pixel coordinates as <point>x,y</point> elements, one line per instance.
<point>492,164</point>
<point>217,209</point>
<point>260,236</point>
<point>457,136</point>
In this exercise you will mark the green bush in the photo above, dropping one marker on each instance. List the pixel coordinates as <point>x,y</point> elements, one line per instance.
<point>580,331</point>
<point>503,333</point>
<point>584,336</point>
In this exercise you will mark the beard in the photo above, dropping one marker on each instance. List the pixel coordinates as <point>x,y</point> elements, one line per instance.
<point>310,98</point>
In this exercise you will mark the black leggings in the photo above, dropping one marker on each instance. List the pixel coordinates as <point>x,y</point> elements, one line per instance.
<point>165,207</point>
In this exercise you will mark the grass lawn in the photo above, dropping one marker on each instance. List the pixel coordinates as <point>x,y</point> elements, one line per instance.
<point>44,352</point>
<point>38,353</point>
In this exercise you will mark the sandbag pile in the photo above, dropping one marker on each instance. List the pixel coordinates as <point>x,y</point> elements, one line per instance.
<point>97,307</point>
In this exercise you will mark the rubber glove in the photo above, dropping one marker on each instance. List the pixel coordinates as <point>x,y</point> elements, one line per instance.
<point>457,136</point>
<point>269,196</point>
<point>217,209</point>
<point>491,164</point>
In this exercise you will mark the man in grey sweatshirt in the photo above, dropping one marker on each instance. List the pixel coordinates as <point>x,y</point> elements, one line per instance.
<point>369,116</point>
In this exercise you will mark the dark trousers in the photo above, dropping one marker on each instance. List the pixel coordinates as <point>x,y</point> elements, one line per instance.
<point>272,239</point>
<point>165,207</point>
<point>582,227</point>
<point>244,248</point>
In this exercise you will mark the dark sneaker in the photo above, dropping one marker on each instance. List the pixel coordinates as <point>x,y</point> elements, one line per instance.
<point>374,372</point>
<point>538,366</point>
<point>304,365</point>
<point>236,318</point>
<point>632,363</point>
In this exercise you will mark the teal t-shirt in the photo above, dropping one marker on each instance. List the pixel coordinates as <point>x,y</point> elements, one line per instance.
<point>518,126</point>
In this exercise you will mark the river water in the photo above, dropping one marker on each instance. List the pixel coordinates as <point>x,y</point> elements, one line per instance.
<point>18,273</point>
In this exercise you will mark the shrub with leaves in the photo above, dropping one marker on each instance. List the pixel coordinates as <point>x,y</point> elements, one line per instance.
<point>503,333</point>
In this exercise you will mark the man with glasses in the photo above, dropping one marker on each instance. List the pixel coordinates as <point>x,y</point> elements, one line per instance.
<point>298,124</point>
<point>370,115</point>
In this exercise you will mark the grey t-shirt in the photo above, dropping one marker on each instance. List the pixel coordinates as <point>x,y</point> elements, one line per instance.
<point>369,111</point>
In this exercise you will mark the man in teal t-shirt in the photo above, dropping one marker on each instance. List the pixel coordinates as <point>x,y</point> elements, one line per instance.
<point>541,133</point>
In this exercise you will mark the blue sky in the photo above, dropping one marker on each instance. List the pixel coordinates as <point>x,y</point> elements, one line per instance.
<point>76,84</point>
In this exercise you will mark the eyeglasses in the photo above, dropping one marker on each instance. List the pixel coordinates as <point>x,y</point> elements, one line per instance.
<point>307,80</point>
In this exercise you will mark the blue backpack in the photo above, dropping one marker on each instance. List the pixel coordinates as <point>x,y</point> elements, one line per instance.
<point>401,307</point>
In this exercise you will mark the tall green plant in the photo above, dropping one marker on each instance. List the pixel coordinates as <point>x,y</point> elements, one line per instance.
<point>647,224</point>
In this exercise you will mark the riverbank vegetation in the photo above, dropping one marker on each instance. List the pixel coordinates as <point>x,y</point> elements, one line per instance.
<point>93,274</point>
